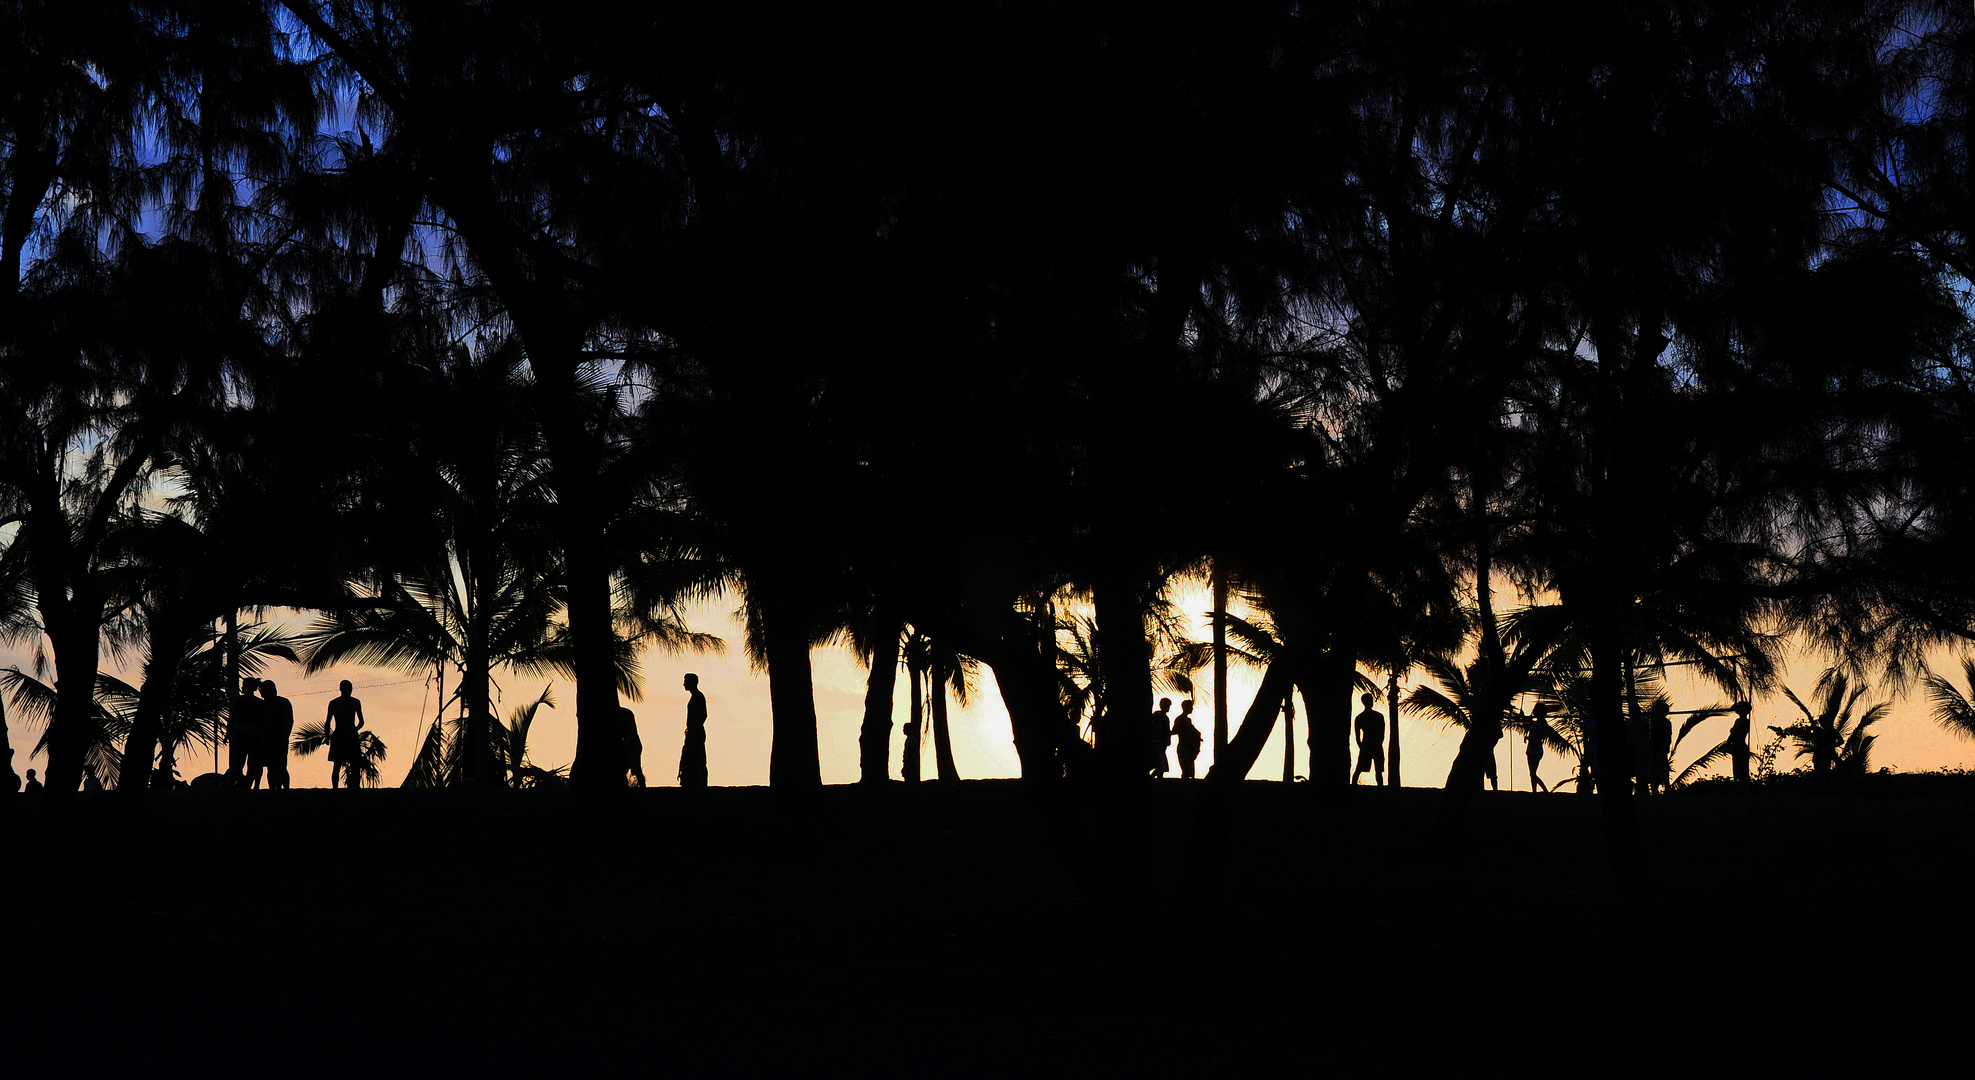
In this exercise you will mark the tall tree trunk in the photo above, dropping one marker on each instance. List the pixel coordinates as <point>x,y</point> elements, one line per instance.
<point>1489,696</point>
<point>874,735</point>
<point>1327,719</point>
<point>1392,716</point>
<point>474,689</point>
<point>10,779</point>
<point>1220,584</point>
<point>908,769</point>
<point>942,738</point>
<point>77,662</point>
<point>794,765</point>
<point>153,698</point>
<point>1126,656</point>
<point>574,456</point>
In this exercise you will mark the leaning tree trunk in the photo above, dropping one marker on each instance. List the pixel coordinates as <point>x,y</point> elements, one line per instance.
<point>942,738</point>
<point>1289,737</point>
<point>1222,786</point>
<point>874,735</point>
<point>153,698</point>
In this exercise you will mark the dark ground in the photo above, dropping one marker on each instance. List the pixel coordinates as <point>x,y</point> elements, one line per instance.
<point>935,932</point>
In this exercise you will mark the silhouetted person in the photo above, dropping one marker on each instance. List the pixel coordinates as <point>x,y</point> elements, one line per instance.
<point>1738,743</point>
<point>243,732</point>
<point>345,719</point>
<point>89,780</point>
<point>692,756</point>
<point>634,747</point>
<point>277,726</point>
<point>1659,732</point>
<point>1539,729</point>
<point>1370,730</point>
<point>1189,739</point>
<point>1161,730</point>
<point>1639,739</point>
<point>33,786</point>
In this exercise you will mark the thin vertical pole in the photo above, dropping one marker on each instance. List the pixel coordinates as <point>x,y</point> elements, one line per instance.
<point>1220,583</point>
<point>1392,708</point>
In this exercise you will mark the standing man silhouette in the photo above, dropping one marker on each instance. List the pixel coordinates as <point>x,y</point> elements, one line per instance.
<point>277,724</point>
<point>1738,743</point>
<point>345,719</point>
<point>634,747</point>
<point>1370,727</point>
<point>1162,735</point>
<point>1189,739</point>
<point>243,732</point>
<point>692,756</point>
<point>1658,770</point>
<point>1539,729</point>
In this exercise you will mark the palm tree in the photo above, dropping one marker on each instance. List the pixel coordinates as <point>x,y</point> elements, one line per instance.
<point>1837,742</point>
<point>314,736</point>
<point>1951,708</point>
<point>952,673</point>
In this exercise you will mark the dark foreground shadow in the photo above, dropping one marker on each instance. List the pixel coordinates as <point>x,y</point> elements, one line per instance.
<point>896,931</point>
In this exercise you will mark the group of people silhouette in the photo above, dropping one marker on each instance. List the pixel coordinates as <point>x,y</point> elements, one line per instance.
<point>259,722</point>
<point>1167,728</point>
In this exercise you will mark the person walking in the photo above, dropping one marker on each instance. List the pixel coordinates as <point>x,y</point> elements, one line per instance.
<point>1161,730</point>
<point>692,756</point>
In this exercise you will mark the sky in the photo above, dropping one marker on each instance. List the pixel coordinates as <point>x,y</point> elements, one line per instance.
<point>739,730</point>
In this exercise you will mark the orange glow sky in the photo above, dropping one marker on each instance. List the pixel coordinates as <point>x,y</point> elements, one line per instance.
<point>739,732</point>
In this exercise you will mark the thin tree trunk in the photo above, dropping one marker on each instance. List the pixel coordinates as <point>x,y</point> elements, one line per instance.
<point>1289,737</point>
<point>942,738</point>
<point>1392,714</point>
<point>874,735</point>
<point>1220,583</point>
<point>908,769</point>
